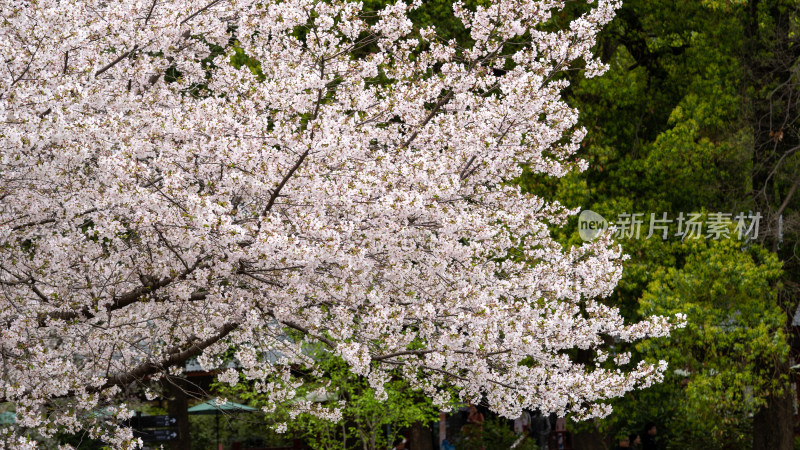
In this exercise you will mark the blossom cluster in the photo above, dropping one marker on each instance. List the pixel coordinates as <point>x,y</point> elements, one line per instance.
<point>157,204</point>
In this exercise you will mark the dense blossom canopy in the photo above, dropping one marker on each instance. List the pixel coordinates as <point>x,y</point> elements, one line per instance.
<point>158,204</point>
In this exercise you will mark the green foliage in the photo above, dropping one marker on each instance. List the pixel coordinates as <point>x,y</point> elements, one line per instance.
<point>725,357</point>
<point>668,131</point>
<point>246,428</point>
<point>495,434</point>
<point>240,59</point>
<point>366,417</point>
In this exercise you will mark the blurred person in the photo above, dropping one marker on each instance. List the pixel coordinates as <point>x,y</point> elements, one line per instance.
<point>400,443</point>
<point>523,424</point>
<point>649,441</point>
<point>635,440</point>
<point>623,441</point>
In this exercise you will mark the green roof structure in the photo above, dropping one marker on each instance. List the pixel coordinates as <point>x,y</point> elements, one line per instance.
<point>212,408</point>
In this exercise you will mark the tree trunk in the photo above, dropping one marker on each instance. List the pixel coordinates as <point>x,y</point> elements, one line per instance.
<point>421,437</point>
<point>772,426</point>
<point>178,406</point>
<point>589,440</point>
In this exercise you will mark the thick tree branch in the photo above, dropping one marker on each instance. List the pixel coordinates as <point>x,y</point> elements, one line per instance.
<point>127,298</point>
<point>174,359</point>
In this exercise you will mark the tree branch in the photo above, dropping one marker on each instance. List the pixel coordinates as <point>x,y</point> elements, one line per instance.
<point>443,101</point>
<point>200,11</point>
<point>788,197</point>
<point>150,13</point>
<point>151,368</point>
<point>276,192</point>
<point>114,62</point>
<point>46,221</point>
<point>127,298</point>
<point>401,353</point>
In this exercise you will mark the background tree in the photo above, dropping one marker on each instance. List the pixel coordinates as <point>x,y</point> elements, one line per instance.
<point>674,127</point>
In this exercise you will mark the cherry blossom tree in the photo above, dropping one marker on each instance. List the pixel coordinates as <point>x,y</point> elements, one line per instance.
<point>159,204</point>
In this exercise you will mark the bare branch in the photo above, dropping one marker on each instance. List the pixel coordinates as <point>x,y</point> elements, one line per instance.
<point>788,197</point>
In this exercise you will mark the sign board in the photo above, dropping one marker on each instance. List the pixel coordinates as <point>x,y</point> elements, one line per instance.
<point>156,435</point>
<point>153,421</point>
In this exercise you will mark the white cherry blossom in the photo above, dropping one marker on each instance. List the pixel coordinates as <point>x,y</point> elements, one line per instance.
<point>147,219</point>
